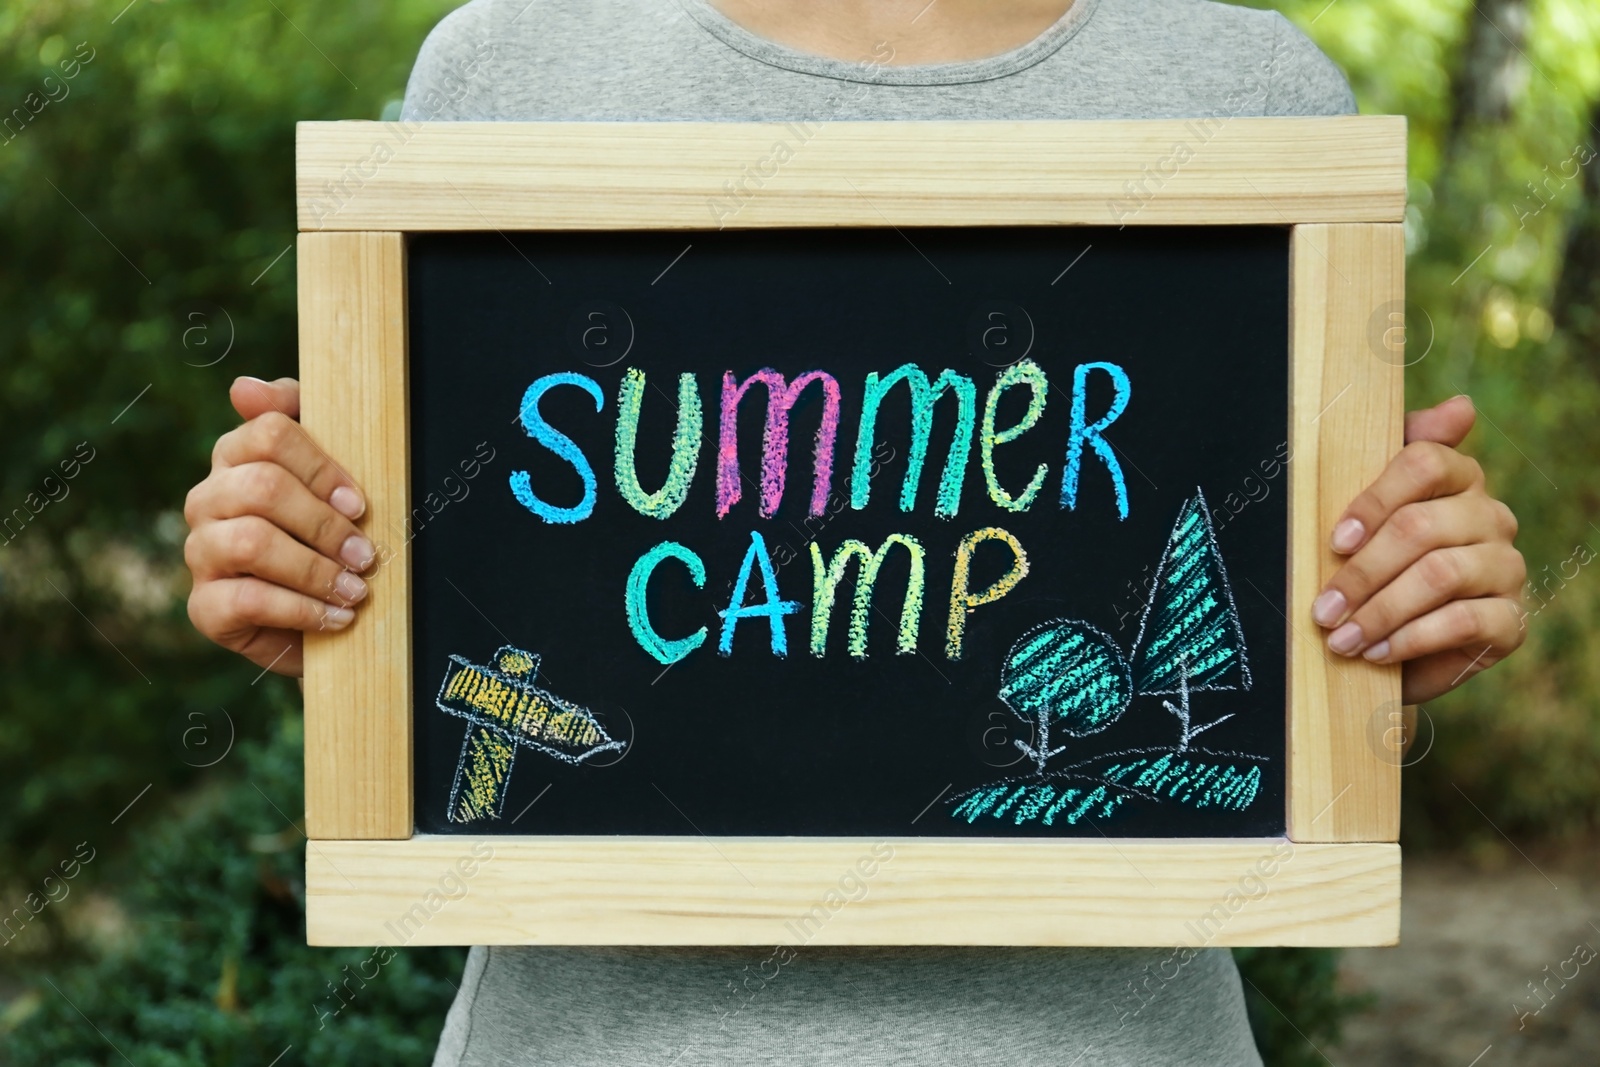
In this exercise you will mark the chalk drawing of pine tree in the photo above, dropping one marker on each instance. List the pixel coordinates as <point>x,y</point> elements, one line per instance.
<point>1068,678</point>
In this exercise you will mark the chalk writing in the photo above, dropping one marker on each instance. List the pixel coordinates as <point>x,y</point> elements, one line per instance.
<point>685,446</point>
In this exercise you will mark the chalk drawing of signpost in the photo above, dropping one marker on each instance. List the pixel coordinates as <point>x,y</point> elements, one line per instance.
<point>506,711</point>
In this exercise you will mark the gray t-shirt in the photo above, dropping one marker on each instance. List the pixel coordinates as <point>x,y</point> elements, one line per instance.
<point>682,60</point>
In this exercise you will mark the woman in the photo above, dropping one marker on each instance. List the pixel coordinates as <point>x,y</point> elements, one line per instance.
<point>1431,580</point>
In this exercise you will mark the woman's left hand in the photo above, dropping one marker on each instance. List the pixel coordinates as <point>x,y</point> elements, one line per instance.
<point>1432,578</point>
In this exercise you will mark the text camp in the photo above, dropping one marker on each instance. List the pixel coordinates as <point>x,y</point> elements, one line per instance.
<point>1085,432</point>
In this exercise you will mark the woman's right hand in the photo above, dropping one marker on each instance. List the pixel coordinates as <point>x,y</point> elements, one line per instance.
<point>272,544</point>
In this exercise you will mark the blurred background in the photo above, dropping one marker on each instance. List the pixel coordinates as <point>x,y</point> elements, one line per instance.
<point>150,852</point>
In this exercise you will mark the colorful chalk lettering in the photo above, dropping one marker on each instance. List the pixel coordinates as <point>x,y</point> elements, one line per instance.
<point>534,426</point>
<point>1093,434</point>
<point>826,577</point>
<point>663,650</point>
<point>963,601</point>
<point>773,608</point>
<point>923,396</point>
<point>781,397</point>
<point>685,446</point>
<point>1023,372</point>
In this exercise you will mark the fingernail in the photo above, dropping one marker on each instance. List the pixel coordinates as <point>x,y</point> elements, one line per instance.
<point>347,502</point>
<point>1348,534</point>
<point>1379,651</point>
<point>349,587</point>
<point>356,552</point>
<point>1328,607</point>
<point>337,618</point>
<point>1346,639</point>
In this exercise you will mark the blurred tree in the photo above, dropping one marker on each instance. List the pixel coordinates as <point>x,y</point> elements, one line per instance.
<point>1575,307</point>
<point>214,969</point>
<point>1501,234</point>
<point>146,216</point>
<point>1493,72</point>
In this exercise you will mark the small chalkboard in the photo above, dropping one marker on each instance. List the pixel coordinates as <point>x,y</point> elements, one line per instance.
<point>814,532</point>
<point>909,542</point>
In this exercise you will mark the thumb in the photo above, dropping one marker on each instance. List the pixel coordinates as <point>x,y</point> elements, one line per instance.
<point>253,397</point>
<point>1447,423</point>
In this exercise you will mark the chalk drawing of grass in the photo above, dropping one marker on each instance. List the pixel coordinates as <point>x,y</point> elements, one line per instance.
<point>1066,678</point>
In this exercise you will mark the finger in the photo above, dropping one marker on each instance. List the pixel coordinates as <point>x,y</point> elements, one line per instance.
<point>252,546</point>
<point>1411,533</point>
<point>1434,675</point>
<point>276,438</point>
<point>1441,576</point>
<point>267,490</point>
<point>278,651</point>
<point>228,607</point>
<point>1422,471</point>
<point>1446,423</point>
<point>253,397</point>
<point>261,621</point>
<point>1446,647</point>
<point>1466,625</point>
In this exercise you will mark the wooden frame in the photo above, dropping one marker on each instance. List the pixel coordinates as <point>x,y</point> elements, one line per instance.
<point>1335,877</point>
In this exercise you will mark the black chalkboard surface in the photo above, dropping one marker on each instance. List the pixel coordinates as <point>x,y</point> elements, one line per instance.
<point>570,623</point>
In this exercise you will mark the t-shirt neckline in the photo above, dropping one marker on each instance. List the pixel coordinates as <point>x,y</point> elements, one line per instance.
<point>873,72</point>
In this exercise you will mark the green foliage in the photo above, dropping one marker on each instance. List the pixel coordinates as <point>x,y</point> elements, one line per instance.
<point>146,164</point>
<point>214,968</point>
<point>1503,236</point>
<point>1296,1009</point>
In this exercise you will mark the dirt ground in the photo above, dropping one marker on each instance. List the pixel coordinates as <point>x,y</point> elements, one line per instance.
<point>1474,935</point>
